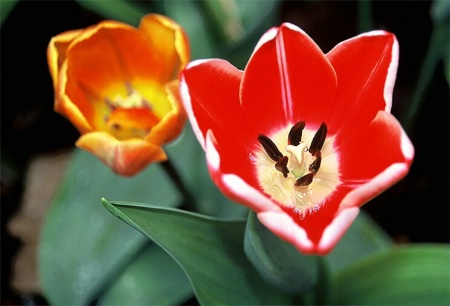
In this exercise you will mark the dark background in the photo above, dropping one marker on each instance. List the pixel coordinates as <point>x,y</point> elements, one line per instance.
<point>415,210</point>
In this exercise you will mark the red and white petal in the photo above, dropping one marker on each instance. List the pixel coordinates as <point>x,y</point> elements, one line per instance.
<point>336,229</point>
<point>210,93</point>
<point>238,189</point>
<point>286,227</point>
<point>282,225</point>
<point>366,68</point>
<point>287,79</point>
<point>376,160</point>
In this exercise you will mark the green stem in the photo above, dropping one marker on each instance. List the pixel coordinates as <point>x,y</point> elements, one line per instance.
<point>188,202</point>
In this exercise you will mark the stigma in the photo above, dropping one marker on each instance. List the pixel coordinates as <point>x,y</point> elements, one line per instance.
<point>298,167</point>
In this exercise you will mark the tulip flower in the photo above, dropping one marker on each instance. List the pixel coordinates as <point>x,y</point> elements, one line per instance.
<point>118,85</point>
<point>301,137</point>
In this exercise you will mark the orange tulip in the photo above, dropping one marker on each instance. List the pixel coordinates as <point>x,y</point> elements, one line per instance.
<point>118,85</point>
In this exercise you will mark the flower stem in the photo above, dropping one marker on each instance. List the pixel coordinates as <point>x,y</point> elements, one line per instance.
<point>188,202</point>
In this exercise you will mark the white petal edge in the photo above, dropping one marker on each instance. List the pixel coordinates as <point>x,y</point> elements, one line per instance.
<point>187,103</point>
<point>393,65</point>
<point>232,185</point>
<point>382,181</point>
<point>284,227</point>
<point>272,32</point>
<point>336,229</point>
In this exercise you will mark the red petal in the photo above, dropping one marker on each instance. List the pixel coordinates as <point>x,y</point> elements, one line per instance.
<point>299,235</point>
<point>210,92</point>
<point>366,66</point>
<point>367,161</point>
<point>233,186</point>
<point>287,79</point>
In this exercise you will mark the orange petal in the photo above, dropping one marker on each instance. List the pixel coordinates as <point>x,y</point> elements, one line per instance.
<point>173,122</point>
<point>56,52</point>
<point>169,41</point>
<point>66,107</point>
<point>127,157</point>
<point>131,122</point>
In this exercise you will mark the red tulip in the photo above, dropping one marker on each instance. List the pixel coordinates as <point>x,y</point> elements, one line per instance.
<point>301,137</point>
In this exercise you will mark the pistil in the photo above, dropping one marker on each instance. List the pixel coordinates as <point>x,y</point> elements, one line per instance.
<point>297,148</point>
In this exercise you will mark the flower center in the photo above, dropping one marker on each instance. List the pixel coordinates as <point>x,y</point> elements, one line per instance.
<point>130,117</point>
<point>294,174</point>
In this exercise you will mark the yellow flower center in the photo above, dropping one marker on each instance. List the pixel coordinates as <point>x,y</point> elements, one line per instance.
<point>294,174</point>
<point>131,116</point>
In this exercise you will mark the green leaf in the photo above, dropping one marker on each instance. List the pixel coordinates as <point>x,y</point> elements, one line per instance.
<point>191,18</point>
<point>277,261</point>
<point>82,247</point>
<point>224,29</point>
<point>125,11</point>
<point>440,14</point>
<point>209,250</point>
<point>413,275</point>
<point>6,6</point>
<point>438,49</point>
<point>190,161</point>
<point>364,238</point>
<point>153,278</point>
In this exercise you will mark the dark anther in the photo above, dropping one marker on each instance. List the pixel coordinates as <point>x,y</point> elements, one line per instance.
<point>314,167</point>
<point>295,134</point>
<point>318,139</point>
<point>281,166</point>
<point>304,180</point>
<point>270,148</point>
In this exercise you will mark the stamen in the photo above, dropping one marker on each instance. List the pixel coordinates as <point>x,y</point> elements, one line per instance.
<point>304,180</point>
<point>270,147</point>
<point>281,165</point>
<point>314,167</point>
<point>295,134</point>
<point>318,139</point>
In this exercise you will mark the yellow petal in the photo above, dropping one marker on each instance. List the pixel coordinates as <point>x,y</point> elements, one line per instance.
<point>127,157</point>
<point>173,122</point>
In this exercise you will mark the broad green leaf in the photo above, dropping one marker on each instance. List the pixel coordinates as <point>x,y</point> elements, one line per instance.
<point>153,278</point>
<point>411,275</point>
<point>209,250</point>
<point>82,247</point>
<point>364,238</point>
<point>277,261</point>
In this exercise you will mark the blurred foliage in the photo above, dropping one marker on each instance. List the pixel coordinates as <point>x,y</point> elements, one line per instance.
<point>438,50</point>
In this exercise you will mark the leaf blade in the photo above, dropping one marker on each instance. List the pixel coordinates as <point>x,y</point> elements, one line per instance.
<point>210,252</point>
